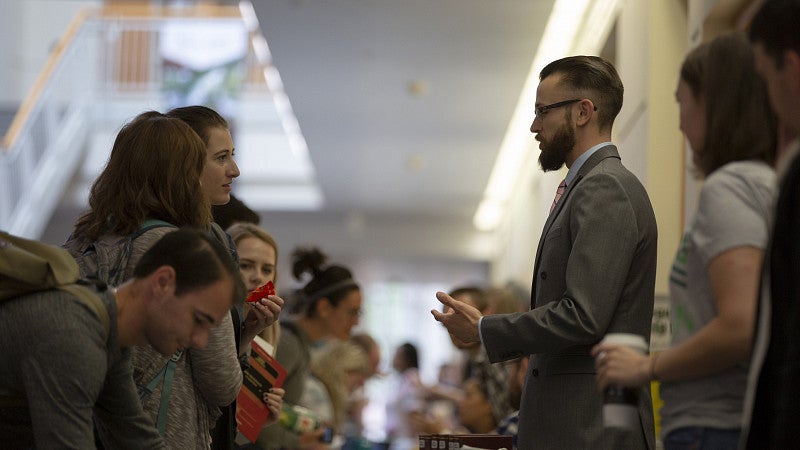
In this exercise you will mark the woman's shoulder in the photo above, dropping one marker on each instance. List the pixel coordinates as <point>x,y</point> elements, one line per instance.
<point>141,242</point>
<point>744,171</point>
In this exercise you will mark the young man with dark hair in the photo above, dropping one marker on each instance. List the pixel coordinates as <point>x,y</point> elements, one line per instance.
<point>59,369</point>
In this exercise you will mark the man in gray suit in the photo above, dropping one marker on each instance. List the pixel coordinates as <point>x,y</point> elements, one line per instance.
<point>594,272</point>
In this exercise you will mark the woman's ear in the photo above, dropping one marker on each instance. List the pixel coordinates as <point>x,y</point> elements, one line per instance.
<point>324,307</point>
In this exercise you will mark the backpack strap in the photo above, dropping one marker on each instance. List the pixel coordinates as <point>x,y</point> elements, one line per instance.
<point>148,225</point>
<point>166,375</point>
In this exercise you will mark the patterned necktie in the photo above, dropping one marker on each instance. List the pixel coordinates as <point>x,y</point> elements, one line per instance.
<point>559,192</point>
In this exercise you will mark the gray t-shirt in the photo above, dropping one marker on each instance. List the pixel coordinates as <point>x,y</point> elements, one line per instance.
<point>54,352</point>
<point>733,211</point>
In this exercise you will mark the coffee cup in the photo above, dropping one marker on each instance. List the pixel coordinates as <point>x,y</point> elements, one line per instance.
<point>621,404</point>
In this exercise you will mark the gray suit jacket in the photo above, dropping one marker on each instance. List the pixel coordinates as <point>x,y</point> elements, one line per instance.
<point>594,274</point>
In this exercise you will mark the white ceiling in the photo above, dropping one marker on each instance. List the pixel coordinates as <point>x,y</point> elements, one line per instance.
<point>403,105</point>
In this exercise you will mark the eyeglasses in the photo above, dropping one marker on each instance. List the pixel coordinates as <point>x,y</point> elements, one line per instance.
<point>542,111</point>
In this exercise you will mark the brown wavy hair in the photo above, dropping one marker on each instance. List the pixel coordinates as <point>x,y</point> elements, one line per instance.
<point>153,173</point>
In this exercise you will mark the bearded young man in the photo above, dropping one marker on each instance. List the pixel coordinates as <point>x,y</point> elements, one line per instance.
<point>594,272</point>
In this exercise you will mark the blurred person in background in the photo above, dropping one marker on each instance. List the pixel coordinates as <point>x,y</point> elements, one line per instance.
<point>353,429</point>
<point>338,368</point>
<point>517,368</point>
<point>330,305</point>
<point>406,397</point>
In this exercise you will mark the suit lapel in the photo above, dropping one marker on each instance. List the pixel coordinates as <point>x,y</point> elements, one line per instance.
<point>609,151</point>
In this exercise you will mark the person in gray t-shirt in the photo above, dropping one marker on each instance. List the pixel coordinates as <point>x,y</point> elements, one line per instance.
<point>715,276</point>
<point>62,370</point>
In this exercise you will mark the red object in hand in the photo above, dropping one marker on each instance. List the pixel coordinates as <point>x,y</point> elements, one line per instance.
<point>262,292</point>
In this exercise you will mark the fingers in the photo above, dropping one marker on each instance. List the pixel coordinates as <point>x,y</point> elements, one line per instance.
<point>446,299</point>
<point>278,391</point>
<point>266,310</point>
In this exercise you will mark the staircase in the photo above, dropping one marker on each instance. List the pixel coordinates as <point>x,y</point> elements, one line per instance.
<point>116,61</point>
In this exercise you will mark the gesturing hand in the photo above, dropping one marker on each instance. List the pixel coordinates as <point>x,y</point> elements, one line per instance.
<point>460,319</point>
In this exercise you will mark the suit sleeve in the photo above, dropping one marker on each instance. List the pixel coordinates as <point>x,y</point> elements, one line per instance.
<point>594,258</point>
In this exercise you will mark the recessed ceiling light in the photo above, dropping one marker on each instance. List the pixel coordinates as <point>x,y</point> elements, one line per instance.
<point>417,88</point>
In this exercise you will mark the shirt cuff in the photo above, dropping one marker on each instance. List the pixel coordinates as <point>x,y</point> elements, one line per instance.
<point>480,333</point>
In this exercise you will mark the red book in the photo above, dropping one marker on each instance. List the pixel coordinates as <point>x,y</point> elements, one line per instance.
<point>264,373</point>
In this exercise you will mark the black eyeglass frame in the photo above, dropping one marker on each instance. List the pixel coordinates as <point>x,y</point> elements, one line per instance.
<point>541,111</point>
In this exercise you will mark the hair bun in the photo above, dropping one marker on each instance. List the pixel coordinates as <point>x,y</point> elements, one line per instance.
<point>307,260</point>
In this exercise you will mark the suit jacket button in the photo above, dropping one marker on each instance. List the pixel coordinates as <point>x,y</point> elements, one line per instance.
<point>543,275</point>
<point>535,372</point>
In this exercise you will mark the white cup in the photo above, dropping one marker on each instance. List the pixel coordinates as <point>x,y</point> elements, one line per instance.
<point>621,404</point>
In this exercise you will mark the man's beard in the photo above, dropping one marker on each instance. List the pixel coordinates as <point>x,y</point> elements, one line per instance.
<point>554,153</point>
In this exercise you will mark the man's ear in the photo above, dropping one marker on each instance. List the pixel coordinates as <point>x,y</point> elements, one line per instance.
<point>164,281</point>
<point>585,112</point>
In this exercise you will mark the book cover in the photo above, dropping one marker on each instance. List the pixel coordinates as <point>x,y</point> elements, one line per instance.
<point>264,373</point>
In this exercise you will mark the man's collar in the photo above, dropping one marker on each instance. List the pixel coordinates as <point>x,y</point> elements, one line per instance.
<point>576,166</point>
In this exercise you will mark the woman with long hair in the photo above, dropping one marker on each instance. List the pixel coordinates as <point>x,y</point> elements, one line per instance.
<point>219,172</point>
<point>156,180</point>
<point>726,117</point>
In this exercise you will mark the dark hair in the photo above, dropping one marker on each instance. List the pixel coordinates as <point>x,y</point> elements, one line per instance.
<point>740,124</point>
<point>477,295</point>
<point>774,27</point>
<point>333,282</point>
<point>409,352</point>
<point>235,211</point>
<point>200,118</point>
<point>594,78</point>
<point>693,70</point>
<point>198,259</point>
<point>153,173</point>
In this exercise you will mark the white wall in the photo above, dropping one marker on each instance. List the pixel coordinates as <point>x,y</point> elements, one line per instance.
<point>10,53</point>
<point>29,30</point>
